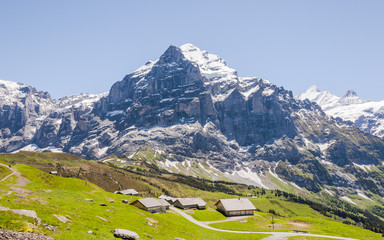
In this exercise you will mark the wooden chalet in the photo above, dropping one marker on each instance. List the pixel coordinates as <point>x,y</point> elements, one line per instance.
<point>187,203</point>
<point>150,205</point>
<point>235,207</point>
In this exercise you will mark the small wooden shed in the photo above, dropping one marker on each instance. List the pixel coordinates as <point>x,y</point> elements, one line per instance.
<point>187,203</point>
<point>150,205</point>
<point>132,192</point>
<point>235,207</point>
<point>170,200</point>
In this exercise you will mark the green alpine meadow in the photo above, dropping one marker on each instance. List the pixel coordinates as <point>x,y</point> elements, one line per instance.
<point>71,203</point>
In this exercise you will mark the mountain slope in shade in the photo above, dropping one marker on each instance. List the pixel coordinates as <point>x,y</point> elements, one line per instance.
<point>366,115</point>
<point>192,109</point>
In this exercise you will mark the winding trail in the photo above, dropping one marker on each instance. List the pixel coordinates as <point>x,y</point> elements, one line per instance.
<point>275,235</point>
<point>21,181</point>
<point>6,177</point>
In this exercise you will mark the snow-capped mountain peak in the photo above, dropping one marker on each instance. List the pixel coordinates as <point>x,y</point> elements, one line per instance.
<point>217,76</point>
<point>324,98</point>
<point>211,65</point>
<point>313,88</point>
<point>366,115</point>
<point>350,93</point>
<point>350,97</point>
<point>220,77</point>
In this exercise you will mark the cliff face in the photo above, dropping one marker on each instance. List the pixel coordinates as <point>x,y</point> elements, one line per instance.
<point>21,109</point>
<point>191,107</point>
<point>160,93</point>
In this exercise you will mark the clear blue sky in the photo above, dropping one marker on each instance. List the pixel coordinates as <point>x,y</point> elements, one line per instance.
<point>68,47</point>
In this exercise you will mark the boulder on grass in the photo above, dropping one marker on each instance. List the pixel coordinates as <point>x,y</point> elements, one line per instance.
<point>126,234</point>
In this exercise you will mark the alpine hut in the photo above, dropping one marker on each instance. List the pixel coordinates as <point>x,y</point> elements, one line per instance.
<point>132,192</point>
<point>186,203</point>
<point>235,207</point>
<point>150,205</point>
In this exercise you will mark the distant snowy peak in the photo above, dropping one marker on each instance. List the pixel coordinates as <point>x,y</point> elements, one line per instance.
<point>328,100</point>
<point>366,115</point>
<point>351,98</point>
<point>350,93</point>
<point>324,99</point>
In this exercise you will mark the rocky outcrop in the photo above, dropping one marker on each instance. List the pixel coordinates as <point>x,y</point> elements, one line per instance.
<point>13,235</point>
<point>126,234</point>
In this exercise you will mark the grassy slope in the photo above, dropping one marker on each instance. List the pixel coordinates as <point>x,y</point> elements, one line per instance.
<point>65,196</point>
<point>206,215</point>
<point>61,193</point>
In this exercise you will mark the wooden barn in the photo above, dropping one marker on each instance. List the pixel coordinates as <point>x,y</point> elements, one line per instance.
<point>150,205</point>
<point>187,203</point>
<point>235,207</point>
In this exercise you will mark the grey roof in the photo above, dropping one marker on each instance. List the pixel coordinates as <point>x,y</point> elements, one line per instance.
<point>237,204</point>
<point>150,202</point>
<point>168,198</point>
<point>192,201</point>
<point>163,202</point>
<point>128,192</point>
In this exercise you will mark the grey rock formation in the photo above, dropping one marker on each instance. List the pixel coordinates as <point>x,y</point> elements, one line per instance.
<point>126,234</point>
<point>8,234</point>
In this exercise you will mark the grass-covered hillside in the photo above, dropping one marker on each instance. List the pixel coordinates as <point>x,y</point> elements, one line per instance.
<point>55,197</point>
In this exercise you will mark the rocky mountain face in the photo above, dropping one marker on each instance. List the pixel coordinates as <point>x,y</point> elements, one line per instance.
<point>366,115</point>
<point>195,112</point>
<point>22,109</point>
<point>32,120</point>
